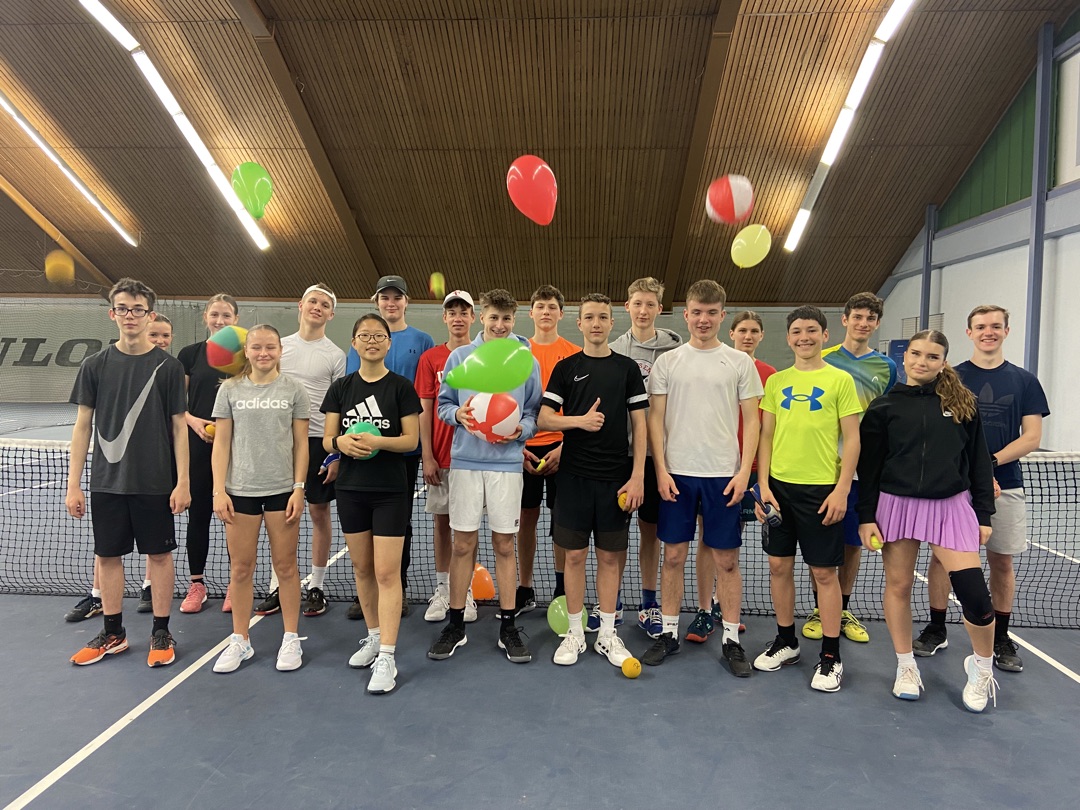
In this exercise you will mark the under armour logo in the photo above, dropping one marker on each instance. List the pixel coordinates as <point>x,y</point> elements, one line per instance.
<point>813,398</point>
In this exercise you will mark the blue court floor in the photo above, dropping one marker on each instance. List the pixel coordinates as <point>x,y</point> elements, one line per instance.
<point>477,731</point>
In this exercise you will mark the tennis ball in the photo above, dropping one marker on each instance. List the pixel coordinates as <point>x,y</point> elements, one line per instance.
<point>875,542</point>
<point>437,285</point>
<point>631,668</point>
<point>622,501</point>
<point>210,429</point>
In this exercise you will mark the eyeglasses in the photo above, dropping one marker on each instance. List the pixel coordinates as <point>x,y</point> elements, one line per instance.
<point>368,337</point>
<point>138,312</point>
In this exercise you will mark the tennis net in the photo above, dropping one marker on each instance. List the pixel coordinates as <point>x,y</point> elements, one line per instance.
<point>44,551</point>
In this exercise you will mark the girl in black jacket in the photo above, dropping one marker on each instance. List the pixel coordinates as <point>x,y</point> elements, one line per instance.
<point>925,477</point>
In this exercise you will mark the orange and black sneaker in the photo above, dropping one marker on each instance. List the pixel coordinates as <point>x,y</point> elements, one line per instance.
<point>101,645</point>
<point>162,649</point>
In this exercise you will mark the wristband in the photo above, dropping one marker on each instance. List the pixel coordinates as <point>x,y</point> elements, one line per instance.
<point>299,485</point>
<point>333,442</point>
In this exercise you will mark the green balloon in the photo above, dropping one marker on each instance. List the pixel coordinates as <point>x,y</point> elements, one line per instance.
<point>559,619</point>
<point>253,186</point>
<point>365,427</point>
<point>495,367</point>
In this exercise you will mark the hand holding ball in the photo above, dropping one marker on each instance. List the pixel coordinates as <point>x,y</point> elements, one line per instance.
<point>622,501</point>
<point>495,416</point>
<point>364,427</point>
<point>210,430</point>
<point>875,542</point>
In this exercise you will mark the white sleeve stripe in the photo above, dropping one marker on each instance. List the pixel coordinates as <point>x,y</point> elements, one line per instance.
<point>637,398</point>
<point>553,397</point>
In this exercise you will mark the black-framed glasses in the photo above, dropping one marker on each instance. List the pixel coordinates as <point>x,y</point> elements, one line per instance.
<point>371,337</point>
<point>138,312</point>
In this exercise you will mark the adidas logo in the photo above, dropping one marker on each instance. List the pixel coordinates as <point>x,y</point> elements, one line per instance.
<point>366,411</point>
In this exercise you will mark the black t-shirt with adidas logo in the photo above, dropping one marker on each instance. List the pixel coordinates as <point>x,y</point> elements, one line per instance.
<point>383,404</point>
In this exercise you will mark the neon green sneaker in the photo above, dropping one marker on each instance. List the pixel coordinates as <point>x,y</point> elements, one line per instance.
<point>851,627</point>
<point>812,628</point>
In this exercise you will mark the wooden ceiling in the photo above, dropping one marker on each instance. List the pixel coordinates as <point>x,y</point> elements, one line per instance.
<point>388,127</point>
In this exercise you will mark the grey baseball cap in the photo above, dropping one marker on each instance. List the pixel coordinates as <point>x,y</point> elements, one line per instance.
<point>395,282</point>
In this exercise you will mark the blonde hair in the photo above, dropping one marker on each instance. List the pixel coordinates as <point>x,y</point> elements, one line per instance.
<point>225,298</point>
<point>706,291</point>
<point>646,285</point>
<point>955,396</point>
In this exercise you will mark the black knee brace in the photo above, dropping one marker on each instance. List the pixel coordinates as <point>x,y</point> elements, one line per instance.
<point>969,585</point>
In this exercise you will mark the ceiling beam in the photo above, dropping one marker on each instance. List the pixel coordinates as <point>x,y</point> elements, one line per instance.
<point>708,94</point>
<point>251,17</point>
<point>53,232</point>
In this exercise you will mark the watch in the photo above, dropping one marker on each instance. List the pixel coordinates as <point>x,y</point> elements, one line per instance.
<point>333,442</point>
<point>993,460</point>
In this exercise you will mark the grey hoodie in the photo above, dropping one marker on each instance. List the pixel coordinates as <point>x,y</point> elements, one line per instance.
<point>645,354</point>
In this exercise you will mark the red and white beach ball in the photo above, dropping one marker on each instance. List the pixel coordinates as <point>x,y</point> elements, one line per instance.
<point>730,199</point>
<point>496,416</point>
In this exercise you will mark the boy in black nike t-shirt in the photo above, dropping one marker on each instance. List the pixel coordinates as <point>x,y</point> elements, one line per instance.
<point>131,396</point>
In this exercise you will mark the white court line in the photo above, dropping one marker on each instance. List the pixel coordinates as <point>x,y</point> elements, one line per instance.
<point>1055,551</point>
<point>27,489</point>
<point>1060,667</point>
<point>75,759</point>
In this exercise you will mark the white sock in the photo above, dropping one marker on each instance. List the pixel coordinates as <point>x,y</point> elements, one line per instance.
<point>671,625</point>
<point>387,650</point>
<point>576,629</point>
<point>731,632</point>
<point>607,624</point>
<point>983,663</point>
<point>146,583</point>
<point>318,574</point>
<point>442,580</point>
<point>375,635</point>
<point>95,592</point>
<point>289,636</point>
<point>273,580</point>
<point>905,659</point>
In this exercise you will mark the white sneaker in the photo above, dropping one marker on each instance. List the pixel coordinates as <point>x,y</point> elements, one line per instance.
<point>572,646</point>
<point>238,651</point>
<point>612,648</point>
<point>980,687</point>
<point>290,655</point>
<point>382,675</point>
<point>470,607</point>
<point>366,655</point>
<point>908,683</point>
<point>776,655</point>
<point>828,673</point>
<point>438,604</point>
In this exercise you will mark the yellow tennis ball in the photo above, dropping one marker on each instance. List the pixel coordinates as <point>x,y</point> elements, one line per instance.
<point>437,285</point>
<point>622,505</point>
<point>875,542</point>
<point>631,667</point>
<point>210,430</point>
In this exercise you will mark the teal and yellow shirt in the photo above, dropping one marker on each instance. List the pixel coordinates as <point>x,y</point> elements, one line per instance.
<point>874,373</point>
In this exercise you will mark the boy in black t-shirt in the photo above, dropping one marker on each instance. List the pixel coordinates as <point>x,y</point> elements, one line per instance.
<point>595,390</point>
<point>131,396</point>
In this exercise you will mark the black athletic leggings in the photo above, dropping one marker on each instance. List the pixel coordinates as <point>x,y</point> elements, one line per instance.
<point>202,503</point>
<point>412,464</point>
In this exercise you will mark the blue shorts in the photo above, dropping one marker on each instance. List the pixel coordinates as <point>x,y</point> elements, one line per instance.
<point>705,496</point>
<point>851,518</point>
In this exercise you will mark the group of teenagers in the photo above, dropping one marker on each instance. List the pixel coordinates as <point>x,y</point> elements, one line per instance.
<point>695,436</point>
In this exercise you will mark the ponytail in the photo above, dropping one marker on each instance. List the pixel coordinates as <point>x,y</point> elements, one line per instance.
<point>955,396</point>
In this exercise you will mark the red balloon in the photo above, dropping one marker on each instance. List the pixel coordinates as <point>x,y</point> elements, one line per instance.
<point>532,188</point>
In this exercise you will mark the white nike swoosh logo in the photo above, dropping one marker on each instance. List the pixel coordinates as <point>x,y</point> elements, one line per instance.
<point>114,450</point>
<point>579,379</point>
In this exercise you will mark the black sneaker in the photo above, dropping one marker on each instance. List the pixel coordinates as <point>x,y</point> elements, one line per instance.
<point>930,640</point>
<point>270,605</point>
<point>315,604</point>
<point>664,646</point>
<point>735,655</point>
<point>1006,656</point>
<point>355,612</point>
<point>146,602</point>
<point>510,641</point>
<point>87,607</point>
<point>451,637</point>
<point>524,600</point>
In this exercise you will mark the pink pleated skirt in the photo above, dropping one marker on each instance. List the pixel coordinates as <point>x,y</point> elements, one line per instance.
<point>945,522</point>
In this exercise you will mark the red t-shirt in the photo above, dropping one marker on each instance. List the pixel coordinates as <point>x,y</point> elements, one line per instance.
<point>764,371</point>
<point>429,374</point>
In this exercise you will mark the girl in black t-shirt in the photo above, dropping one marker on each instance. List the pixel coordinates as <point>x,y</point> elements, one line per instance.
<point>202,385</point>
<point>373,487</point>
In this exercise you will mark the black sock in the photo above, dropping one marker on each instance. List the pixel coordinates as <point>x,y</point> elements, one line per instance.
<point>937,617</point>
<point>560,588</point>
<point>114,624</point>
<point>507,619</point>
<point>456,616</point>
<point>830,645</point>
<point>816,605</point>
<point>161,623</point>
<point>1001,625</point>
<point>787,634</point>
<point>525,593</point>
<point>845,598</point>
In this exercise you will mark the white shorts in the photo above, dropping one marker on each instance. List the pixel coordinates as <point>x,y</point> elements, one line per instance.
<point>473,490</point>
<point>438,498</point>
<point>1009,523</point>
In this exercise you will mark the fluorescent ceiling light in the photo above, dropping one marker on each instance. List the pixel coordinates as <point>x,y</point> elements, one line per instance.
<point>797,228</point>
<point>73,178</point>
<point>153,78</point>
<point>865,74</point>
<point>839,133</point>
<point>111,24</point>
<point>896,14</point>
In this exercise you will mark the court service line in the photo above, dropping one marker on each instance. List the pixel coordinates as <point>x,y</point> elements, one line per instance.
<point>1055,551</point>
<point>1060,667</point>
<point>101,739</point>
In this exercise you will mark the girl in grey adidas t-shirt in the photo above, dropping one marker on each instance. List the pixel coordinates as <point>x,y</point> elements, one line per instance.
<point>260,463</point>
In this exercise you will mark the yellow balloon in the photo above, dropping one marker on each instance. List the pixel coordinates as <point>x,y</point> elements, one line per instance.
<point>751,245</point>
<point>60,268</point>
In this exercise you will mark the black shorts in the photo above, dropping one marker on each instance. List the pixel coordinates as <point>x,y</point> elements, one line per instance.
<point>822,546</point>
<point>245,505</point>
<point>589,507</point>
<point>316,490</point>
<point>385,514</point>
<point>649,511</point>
<point>532,486</point>
<point>121,521</point>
